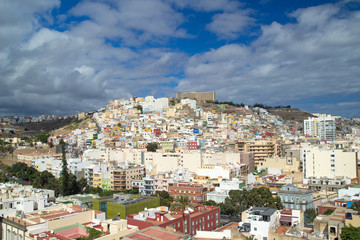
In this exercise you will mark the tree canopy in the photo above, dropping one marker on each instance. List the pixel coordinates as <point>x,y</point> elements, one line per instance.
<point>65,178</point>
<point>350,233</point>
<point>310,215</point>
<point>151,147</point>
<point>43,137</point>
<point>356,206</point>
<point>240,200</point>
<point>181,204</point>
<point>165,198</point>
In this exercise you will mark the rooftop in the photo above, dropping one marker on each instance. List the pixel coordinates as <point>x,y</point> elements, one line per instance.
<point>155,233</point>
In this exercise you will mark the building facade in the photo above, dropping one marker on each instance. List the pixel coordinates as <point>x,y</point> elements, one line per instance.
<point>260,149</point>
<point>121,177</point>
<point>200,218</point>
<point>201,96</point>
<point>330,163</point>
<point>293,198</point>
<point>196,192</point>
<point>322,127</point>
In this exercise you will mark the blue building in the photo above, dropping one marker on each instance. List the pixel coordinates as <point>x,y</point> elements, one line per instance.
<point>293,198</point>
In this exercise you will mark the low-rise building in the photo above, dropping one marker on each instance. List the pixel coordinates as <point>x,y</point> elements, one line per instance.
<point>63,220</point>
<point>196,192</point>
<point>204,218</point>
<point>257,221</point>
<point>327,184</point>
<point>222,191</point>
<point>124,204</point>
<point>17,200</point>
<point>293,198</point>
<point>331,218</point>
<point>146,185</point>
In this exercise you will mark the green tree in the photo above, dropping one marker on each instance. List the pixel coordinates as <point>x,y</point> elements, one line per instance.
<point>356,206</point>
<point>93,234</point>
<point>210,203</point>
<point>18,167</point>
<point>165,198</point>
<point>240,200</point>
<point>151,147</point>
<point>310,215</point>
<point>43,179</point>
<point>43,137</point>
<point>181,204</point>
<point>132,191</point>
<point>82,184</point>
<point>328,212</point>
<point>3,178</point>
<point>75,188</point>
<point>65,177</point>
<point>51,143</point>
<point>139,107</point>
<point>350,233</point>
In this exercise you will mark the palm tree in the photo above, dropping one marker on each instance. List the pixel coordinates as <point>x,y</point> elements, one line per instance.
<point>181,203</point>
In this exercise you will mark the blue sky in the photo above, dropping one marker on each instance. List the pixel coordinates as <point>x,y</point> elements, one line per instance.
<point>70,56</point>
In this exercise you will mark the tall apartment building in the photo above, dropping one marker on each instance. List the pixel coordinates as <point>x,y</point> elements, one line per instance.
<point>261,149</point>
<point>322,127</point>
<point>201,96</point>
<point>120,178</point>
<point>329,163</point>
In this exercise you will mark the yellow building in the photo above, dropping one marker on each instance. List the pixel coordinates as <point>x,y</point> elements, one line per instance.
<point>201,96</point>
<point>121,177</point>
<point>97,180</point>
<point>285,163</point>
<point>261,149</point>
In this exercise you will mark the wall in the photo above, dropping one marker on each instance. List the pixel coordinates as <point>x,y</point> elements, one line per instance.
<point>82,217</point>
<point>113,208</point>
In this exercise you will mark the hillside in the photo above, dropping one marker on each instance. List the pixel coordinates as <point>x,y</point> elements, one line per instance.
<point>290,114</point>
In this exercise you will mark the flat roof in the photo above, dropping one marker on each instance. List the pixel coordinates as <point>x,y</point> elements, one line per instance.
<point>156,233</point>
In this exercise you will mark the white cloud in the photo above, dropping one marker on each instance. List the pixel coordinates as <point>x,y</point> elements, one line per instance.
<point>318,57</point>
<point>90,62</point>
<point>209,6</point>
<point>134,22</point>
<point>48,71</point>
<point>230,25</point>
<point>18,21</point>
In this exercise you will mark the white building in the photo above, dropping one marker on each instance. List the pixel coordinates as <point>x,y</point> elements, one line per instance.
<point>352,193</point>
<point>258,220</point>
<point>146,185</point>
<point>215,172</point>
<point>322,127</point>
<point>16,199</point>
<point>222,191</point>
<point>329,163</point>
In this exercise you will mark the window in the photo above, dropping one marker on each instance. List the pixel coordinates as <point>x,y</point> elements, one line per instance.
<point>255,229</point>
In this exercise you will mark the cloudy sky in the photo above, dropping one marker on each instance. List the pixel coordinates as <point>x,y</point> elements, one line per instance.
<point>70,56</point>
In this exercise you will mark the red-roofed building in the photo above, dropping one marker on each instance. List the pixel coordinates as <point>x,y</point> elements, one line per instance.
<point>204,218</point>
